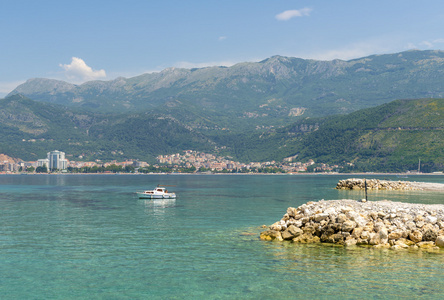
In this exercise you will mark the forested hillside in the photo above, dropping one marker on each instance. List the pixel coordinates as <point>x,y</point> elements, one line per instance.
<point>29,129</point>
<point>390,137</point>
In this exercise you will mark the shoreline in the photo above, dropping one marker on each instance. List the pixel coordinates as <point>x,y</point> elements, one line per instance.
<point>239,174</point>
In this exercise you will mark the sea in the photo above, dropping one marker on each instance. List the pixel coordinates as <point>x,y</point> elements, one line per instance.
<point>90,237</point>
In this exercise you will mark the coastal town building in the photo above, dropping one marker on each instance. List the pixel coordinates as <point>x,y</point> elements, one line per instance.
<point>216,163</point>
<point>186,161</point>
<point>55,161</point>
<point>43,162</point>
<point>7,166</point>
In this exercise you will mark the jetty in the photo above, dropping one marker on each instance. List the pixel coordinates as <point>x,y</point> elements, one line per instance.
<point>381,224</point>
<point>376,184</point>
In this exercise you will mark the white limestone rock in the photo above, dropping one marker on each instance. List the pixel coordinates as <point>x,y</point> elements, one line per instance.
<point>348,222</point>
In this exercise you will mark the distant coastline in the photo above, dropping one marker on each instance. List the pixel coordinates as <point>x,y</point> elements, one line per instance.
<point>240,174</point>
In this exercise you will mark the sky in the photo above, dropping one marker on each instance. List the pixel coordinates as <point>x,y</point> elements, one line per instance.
<point>79,41</point>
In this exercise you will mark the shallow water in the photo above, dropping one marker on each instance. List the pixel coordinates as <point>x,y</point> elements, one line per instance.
<point>88,236</point>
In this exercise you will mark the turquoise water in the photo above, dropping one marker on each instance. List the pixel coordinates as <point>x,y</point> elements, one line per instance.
<point>89,237</point>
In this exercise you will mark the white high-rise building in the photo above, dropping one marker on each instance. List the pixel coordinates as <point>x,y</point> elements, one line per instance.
<point>43,162</point>
<point>56,160</point>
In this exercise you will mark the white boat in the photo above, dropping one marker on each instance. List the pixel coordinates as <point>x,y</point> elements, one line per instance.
<point>157,193</point>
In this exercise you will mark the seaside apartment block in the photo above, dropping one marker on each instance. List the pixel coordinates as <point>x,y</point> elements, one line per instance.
<point>55,161</point>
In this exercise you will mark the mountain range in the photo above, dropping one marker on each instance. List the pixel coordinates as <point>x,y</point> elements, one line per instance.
<point>272,92</point>
<point>278,107</point>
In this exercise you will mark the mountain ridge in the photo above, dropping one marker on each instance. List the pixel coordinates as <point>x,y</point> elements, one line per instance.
<point>268,110</point>
<point>267,90</point>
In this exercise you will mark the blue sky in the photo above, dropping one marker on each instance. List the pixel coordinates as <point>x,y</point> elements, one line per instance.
<point>77,41</point>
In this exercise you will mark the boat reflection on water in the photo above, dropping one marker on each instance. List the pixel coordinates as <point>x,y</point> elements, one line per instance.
<point>158,206</point>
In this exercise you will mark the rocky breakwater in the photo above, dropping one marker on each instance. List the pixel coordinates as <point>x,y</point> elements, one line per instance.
<point>382,224</point>
<point>376,184</point>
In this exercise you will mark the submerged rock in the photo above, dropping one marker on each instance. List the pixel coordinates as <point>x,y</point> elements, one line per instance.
<point>383,224</point>
<point>271,235</point>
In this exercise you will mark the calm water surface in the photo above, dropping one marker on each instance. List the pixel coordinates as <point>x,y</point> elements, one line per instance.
<point>90,237</point>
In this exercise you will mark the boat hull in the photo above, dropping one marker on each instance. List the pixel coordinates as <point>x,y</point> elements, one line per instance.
<point>154,196</point>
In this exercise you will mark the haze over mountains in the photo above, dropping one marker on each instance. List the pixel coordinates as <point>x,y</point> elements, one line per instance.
<point>249,110</point>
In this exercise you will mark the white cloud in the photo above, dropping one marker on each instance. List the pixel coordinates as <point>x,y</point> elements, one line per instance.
<point>289,14</point>
<point>431,44</point>
<point>426,44</point>
<point>411,46</point>
<point>79,71</point>
<point>221,38</point>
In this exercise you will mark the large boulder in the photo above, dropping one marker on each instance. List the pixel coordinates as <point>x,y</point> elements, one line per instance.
<point>383,235</point>
<point>395,235</point>
<point>415,236</point>
<point>292,212</point>
<point>357,231</point>
<point>348,226</point>
<point>374,239</point>
<point>291,232</point>
<point>429,235</point>
<point>429,232</point>
<point>440,241</point>
<point>320,217</point>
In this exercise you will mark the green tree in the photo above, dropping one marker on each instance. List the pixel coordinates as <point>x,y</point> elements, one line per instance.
<point>203,169</point>
<point>129,169</point>
<point>42,169</point>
